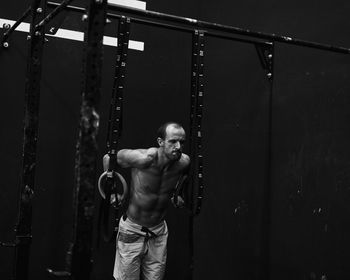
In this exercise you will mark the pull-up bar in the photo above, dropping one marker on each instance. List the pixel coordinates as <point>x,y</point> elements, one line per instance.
<point>189,24</point>
<point>171,26</point>
<point>198,24</point>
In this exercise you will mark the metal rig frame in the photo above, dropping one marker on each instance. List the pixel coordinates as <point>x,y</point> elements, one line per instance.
<point>78,261</point>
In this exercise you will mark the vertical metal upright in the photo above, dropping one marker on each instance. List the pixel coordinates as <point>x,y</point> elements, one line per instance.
<point>80,249</point>
<point>266,56</point>
<point>23,227</point>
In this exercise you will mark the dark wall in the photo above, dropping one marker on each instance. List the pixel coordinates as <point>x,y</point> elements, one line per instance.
<point>228,233</point>
<point>310,219</point>
<point>309,202</point>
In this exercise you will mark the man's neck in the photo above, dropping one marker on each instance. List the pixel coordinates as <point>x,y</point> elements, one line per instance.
<point>163,162</point>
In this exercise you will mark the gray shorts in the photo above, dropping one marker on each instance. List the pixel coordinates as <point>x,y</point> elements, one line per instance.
<point>140,250</point>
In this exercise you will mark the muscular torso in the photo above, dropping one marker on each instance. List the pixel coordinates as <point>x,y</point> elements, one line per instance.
<point>150,191</point>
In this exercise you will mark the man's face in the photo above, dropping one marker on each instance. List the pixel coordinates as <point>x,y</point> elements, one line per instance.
<point>173,142</point>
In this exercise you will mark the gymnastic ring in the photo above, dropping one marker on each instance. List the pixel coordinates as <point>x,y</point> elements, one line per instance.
<point>122,180</point>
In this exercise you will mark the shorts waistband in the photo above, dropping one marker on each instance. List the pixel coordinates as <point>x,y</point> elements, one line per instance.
<point>154,231</point>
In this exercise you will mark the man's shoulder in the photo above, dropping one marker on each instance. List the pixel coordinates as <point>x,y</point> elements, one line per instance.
<point>148,155</point>
<point>138,158</point>
<point>152,152</point>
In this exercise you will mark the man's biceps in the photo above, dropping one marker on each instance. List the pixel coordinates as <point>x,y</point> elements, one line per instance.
<point>124,156</point>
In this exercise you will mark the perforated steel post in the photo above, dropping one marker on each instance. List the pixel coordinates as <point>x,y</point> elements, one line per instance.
<point>31,124</point>
<point>86,149</point>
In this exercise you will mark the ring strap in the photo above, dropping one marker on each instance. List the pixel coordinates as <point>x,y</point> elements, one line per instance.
<point>116,107</point>
<point>196,114</point>
<point>115,128</point>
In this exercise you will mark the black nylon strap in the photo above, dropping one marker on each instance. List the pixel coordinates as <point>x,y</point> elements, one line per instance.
<point>179,189</point>
<point>196,114</point>
<point>196,168</point>
<point>115,129</point>
<point>115,122</point>
<point>199,115</point>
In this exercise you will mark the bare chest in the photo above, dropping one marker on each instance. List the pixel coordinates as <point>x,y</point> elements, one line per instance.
<point>153,181</point>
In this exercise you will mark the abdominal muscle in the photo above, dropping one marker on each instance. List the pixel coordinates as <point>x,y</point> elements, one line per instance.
<point>149,197</point>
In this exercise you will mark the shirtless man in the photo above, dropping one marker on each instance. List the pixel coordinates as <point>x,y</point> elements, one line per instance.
<point>143,233</point>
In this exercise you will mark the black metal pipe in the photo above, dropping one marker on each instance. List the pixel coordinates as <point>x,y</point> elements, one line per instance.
<point>198,24</point>
<point>189,30</point>
<point>8,33</point>
<point>165,25</point>
<point>69,7</point>
<point>54,13</point>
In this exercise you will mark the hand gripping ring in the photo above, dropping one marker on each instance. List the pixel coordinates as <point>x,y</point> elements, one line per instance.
<point>101,182</point>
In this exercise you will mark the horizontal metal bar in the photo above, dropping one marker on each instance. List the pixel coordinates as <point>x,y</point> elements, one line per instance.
<point>165,25</point>
<point>8,33</point>
<point>53,14</point>
<point>198,24</point>
<point>69,7</point>
<point>187,29</point>
<point>213,26</point>
<point>243,40</point>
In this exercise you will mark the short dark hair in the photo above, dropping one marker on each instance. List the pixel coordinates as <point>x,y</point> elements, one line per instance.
<point>161,133</point>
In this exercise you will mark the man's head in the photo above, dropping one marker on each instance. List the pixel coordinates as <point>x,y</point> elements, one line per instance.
<point>171,138</point>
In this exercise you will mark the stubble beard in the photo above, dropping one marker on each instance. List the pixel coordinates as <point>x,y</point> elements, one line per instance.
<point>174,156</point>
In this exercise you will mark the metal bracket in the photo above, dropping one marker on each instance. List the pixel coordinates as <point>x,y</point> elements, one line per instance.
<point>4,38</point>
<point>56,23</point>
<point>53,29</point>
<point>265,53</point>
<point>8,30</point>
